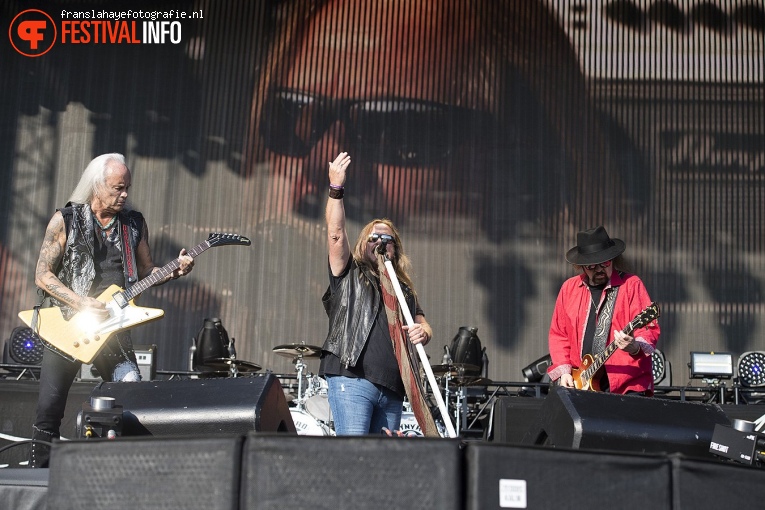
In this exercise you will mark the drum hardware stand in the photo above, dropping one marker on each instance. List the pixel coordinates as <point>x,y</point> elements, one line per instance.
<point>460,418</point>
<point>299,368</point>
<point>297,352</point>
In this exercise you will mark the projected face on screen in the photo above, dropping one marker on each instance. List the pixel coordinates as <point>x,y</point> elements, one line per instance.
<point>447,109</point>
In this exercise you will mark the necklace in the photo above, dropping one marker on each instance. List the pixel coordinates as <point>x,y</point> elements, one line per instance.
<point>105,228</point>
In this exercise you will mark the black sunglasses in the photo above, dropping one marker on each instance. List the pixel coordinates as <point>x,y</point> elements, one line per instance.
<point>386,238</point>
<point>392,131</point>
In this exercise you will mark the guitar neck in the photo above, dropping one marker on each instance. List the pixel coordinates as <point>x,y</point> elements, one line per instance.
<point>600,359</point>
<point>158,276</point>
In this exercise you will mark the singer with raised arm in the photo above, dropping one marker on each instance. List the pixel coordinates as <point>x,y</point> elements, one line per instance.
<point>94,242</point>
<point>603,329</point>
<point>365,388</point>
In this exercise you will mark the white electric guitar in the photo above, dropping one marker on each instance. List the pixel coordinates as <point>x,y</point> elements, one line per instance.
<point>84,335</point>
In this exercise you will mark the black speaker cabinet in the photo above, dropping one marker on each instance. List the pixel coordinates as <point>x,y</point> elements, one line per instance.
<point>236,405</point>
<point>604,421</point>
<point>146,472</point>
<point>513,417</point>
<point>702,484</point>
<point>349,473</point>
<point>511,476</point>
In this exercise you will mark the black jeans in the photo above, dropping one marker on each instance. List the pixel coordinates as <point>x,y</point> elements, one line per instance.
<point>115,362</point>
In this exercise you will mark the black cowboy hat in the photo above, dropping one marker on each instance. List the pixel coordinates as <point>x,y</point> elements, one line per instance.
<point>593,246</point>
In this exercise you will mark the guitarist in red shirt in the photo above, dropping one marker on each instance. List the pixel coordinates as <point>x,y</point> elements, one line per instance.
<point>603,329</point>
<point>94,242</point>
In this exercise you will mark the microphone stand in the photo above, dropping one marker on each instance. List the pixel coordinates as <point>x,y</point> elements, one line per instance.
<point>420,349</point>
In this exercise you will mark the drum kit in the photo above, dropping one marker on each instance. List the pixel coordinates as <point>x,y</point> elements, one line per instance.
<point>310,407</point>
<point>456,378</point>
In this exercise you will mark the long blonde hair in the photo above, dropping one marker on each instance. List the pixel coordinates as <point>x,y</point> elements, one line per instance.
<point>400,261</point>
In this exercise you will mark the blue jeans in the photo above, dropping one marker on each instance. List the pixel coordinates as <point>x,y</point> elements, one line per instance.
<point>360,407</point>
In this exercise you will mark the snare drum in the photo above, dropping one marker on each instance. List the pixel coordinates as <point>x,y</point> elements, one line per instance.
<point>307,425</point>
<point>317,399</point>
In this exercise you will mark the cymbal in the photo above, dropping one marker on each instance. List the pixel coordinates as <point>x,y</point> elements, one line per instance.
<point>224,364</point>
<point>472,381</point>
<point>455,369</point>
<point>294,350</point>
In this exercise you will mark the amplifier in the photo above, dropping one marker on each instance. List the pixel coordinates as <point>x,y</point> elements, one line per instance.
<point>145,355</point>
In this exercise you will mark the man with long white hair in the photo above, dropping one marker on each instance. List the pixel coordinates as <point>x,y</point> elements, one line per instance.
<point>94,242</point>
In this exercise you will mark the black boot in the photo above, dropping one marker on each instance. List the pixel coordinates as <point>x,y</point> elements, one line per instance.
<point>39,451</point>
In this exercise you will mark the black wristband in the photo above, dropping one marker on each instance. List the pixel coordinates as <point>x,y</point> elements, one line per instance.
<point>336,193</point>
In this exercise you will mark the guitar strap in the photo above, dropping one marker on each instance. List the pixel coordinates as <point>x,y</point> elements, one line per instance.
<point>128,241</point>
<point>36,313</point>
<point>600,339</point>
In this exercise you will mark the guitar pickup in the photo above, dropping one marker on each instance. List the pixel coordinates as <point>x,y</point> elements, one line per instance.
<point>119,298</point>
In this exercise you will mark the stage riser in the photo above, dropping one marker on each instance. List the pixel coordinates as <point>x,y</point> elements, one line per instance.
<point>283,471</point>
<point>505,476</point>
<point>352,472</point>
<point>202,473</point>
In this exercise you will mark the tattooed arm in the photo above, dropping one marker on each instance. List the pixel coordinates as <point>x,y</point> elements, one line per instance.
<point>51,253</point>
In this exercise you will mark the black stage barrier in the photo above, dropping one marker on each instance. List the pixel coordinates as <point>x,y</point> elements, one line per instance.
<point>146,472</point>
<point>700,485</point>
<point>351,472</point>
<point>511,476</point>
<point>18,406</point>
<point>24,489</point>
<point>236,405</point>
<point>604,421</point>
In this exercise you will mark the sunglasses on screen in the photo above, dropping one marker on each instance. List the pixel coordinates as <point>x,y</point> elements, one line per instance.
<point>390,131</point>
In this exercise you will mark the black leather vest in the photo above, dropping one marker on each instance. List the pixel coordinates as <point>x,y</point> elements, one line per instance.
<point>352,311</point>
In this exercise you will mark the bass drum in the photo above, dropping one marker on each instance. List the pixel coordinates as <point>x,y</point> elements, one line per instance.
<point>410,428</point>
<point>307,425</point>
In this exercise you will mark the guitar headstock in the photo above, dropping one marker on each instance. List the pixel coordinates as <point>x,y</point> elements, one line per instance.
<point>649,313</point>
<point>223,239</point>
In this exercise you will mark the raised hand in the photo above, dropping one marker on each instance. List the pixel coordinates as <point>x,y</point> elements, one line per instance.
<point>338,169</point>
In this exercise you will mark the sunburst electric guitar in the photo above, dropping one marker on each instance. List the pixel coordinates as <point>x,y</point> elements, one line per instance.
<point>587,376</point>
<point>83,336</point>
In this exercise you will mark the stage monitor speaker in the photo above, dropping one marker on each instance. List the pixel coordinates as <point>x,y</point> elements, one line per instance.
<point>372,472</point>
<point>513,416</point>
<point>188,472</point>
<point>604,421</point>
<point>145,355</point>
<point>236,405</point>
<point>512,476</point>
